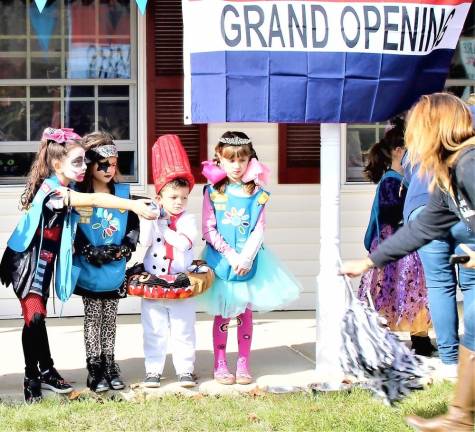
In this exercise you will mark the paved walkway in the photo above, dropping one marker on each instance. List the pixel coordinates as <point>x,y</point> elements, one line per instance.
<point>283,354</point>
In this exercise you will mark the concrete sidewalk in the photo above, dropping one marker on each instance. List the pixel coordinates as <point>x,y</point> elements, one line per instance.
<point>283,354</point>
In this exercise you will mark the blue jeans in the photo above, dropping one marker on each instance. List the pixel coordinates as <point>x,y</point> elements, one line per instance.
<point>441,281</point>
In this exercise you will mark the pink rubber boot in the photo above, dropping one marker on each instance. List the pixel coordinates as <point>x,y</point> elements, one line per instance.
<point>244,333</point>
<point>220,339</point>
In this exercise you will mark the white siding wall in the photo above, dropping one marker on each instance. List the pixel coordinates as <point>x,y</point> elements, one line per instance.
<point>293,217</point>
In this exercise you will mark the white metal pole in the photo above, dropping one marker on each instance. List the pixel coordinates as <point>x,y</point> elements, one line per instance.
<point>330,287</point>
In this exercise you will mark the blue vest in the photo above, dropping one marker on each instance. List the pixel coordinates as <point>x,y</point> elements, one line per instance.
<point>22,236</point>
<point>373,226</point>
<point>236,218</point>
<point>106,226</point>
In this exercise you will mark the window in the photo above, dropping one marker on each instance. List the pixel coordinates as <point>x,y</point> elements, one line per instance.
<point>74,66</point>
<point>165,83</point>
<point>299,153</point>
<point>461,82</point>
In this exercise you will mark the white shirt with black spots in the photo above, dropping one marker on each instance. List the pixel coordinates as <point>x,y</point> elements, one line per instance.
<point>170,251</point>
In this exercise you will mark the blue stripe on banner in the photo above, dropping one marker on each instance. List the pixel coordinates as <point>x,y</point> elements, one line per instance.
<point>286,87</point>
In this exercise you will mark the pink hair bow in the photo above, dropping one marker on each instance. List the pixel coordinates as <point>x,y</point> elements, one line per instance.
<point>213,172</point>
<point>59,135</point>
<point>256,171</point>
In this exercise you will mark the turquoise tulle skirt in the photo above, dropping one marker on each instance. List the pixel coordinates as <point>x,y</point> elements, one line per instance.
<point>271,287</point>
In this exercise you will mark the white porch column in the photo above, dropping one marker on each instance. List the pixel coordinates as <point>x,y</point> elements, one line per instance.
<point>330,287</point>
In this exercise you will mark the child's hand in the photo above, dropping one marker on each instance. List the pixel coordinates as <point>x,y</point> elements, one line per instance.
<point>142,208</point>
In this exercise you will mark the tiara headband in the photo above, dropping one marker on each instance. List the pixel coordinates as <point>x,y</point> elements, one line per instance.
<point>106,151</point>
<point>59,136</point>
<point>235,141</point>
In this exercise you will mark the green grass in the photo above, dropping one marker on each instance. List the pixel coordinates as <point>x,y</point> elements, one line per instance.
<point>356,411</point>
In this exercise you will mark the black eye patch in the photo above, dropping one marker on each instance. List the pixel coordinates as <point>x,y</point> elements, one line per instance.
<point>103,166</point>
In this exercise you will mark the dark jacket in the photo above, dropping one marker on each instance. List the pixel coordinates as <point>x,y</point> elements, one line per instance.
<point>440,214</point>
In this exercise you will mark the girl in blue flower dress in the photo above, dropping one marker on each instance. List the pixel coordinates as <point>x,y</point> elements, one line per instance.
<point>248,276</point>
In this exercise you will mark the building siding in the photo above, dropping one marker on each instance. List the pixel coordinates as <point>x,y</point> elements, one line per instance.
<point>293,219</point>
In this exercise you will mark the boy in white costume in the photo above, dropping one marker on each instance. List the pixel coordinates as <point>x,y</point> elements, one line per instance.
<point>170,251</point>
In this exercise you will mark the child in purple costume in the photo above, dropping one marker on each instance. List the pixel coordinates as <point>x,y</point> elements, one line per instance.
<point>398,290</point>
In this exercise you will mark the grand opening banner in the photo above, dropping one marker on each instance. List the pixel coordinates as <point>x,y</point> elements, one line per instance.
<point>314,61</point>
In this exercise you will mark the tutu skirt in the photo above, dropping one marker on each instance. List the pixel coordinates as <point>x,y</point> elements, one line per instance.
<point>398,290</point>
<point>272,286</point>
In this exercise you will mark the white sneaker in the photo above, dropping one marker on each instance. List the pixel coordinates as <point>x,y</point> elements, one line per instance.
<point>446,372</point>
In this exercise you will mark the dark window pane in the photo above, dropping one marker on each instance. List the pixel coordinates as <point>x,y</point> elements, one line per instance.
<point>12,92</point>
<point>114,118</point>
<point>45,67</point>
<point>463,60</point>
<point>79,91</point>
<point>114,91</point>
<point>13,68</point>
<point>127,163</point>
<point>45,92</point>
<point>12,18</point>
<point>79,116</point>
<point>42,115</point>
<point>12,121</point>
<point>45,45</point>
<point>15,164</point>
<point>9,45</point>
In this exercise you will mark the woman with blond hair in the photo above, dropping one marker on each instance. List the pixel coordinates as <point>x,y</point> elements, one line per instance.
<point>440,138</point>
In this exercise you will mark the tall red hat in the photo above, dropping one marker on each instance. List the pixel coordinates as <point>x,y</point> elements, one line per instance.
<point>169,162</point>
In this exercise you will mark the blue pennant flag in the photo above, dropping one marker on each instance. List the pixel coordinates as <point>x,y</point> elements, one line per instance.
<point>141,4</point>
<point>338,61</point>
<point>41,4</point>
<point>44,23</point>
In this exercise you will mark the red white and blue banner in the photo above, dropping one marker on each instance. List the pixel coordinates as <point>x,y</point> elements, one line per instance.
<point>314,61</point>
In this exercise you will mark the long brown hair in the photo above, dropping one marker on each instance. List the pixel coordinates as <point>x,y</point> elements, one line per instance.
<point>42,167</point>
<point>92,141</point>
<point>380,156</point>
<point>229,151</point>
<point>439,126</point>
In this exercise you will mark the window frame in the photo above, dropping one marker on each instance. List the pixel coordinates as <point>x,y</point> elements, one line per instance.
<point>134,83</point>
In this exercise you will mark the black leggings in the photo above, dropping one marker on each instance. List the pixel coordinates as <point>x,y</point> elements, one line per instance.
<point>36,347</point>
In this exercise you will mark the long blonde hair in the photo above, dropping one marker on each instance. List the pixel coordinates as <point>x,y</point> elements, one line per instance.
<point>439,126</point>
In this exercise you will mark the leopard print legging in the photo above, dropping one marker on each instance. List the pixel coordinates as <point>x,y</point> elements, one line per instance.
<point>100,318</point>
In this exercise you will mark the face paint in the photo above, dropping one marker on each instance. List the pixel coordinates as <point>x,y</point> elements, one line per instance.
<point>105,165</point>
<point>105,169</point>
<point>74,164</point>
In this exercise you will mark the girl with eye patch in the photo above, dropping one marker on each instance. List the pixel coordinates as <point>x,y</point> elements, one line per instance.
<point>104,243</point>
<point>43,240</point>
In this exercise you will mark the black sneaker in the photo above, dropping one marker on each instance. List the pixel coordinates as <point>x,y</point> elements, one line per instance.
<point>32,390</point>
<point>187,380</point>
<point>52,380</point>
<point>152,380</point>
<point>422,346</point>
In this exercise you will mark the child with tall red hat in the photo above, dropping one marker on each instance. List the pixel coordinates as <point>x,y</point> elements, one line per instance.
<point>170,251</point>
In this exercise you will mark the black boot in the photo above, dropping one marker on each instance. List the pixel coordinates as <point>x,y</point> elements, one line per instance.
<point>95,377</point>
<point>112,372</point>
<point>422,345</point>
<point>32,389</point>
